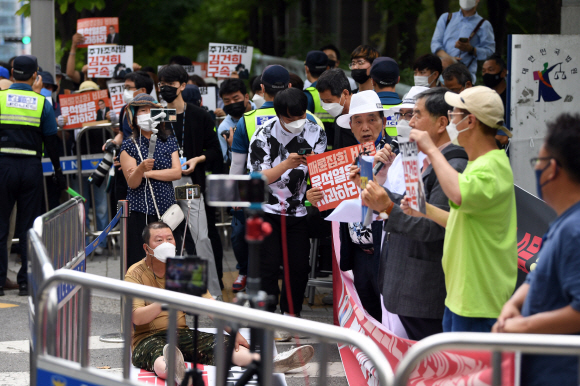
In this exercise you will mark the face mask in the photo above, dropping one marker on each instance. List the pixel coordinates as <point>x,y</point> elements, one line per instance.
<point>467,4</point>
<point>331,63</point>
<point>236,109</point>
<point>423,81</point>
<point>403,128</point>
<point>163,251</point>
<point>334,109</point>
<point>295,127</point>
<point>146,123</point>
<point>453,133</point>
<point>127,96</point>
<point>359,76</point>
<point>539,186</point>
<point>492,80</point>
<point>168,93</point>
<point>258,100</point>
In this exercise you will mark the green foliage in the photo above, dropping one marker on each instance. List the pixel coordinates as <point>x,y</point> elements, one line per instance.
<point>63,5</point>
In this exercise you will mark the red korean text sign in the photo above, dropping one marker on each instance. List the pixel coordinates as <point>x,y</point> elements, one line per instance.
<point>329,172</point>
<point>107,61</point>
<point>223,59</point>
<point>116,91</point>
<point>95,30</point>
<point>413,181</point>
<point>82,108</point>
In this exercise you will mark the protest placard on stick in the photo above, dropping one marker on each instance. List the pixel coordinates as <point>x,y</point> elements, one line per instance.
<point>82,108</point>
<point>95,30</point>
<point>223,59</point>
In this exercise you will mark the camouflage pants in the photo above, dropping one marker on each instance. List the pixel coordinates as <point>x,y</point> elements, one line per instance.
<point>151,348</point>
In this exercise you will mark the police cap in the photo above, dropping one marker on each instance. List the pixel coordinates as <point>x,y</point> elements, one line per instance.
<point>316,60</point>
<point>275,76</point>
<point>385,71</point>
<point>24,66</point>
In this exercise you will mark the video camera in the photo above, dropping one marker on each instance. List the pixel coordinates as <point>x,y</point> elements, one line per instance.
<point>98,176</point>
<point>235,190</point>
<point>187,192</point>
<point>187,275</point>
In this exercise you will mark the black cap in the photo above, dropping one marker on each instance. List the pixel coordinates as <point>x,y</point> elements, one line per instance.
<point>385,71</point>
<point>47,77</point>
<point>316,60</point>
<point>24,66</point>
<point>191,94</point>
<point>275,76</point>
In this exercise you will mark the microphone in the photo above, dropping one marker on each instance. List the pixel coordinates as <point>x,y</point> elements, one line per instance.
<point>403,130</point>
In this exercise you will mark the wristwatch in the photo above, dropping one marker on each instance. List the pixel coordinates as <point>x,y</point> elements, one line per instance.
<point>385,213</point>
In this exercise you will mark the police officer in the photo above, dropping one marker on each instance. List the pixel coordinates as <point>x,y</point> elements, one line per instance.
<point>26,122</point>
<point>384,77</point>
<point>316,63</point>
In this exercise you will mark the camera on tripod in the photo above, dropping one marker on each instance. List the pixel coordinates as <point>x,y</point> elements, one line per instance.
<point>236,190</point>
<point>187,275</point>
<point>98,176</point>
<point>187,192</point>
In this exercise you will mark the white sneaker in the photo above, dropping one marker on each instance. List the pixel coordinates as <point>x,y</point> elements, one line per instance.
<point>282,336</point>
<point>179,363</point>
<point>293,358</point>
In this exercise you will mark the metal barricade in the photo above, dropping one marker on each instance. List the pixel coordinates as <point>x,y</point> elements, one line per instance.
<point>496,343</point>
<point>45,364</point>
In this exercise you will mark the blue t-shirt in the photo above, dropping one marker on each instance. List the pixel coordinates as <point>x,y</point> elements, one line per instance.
<point>555,284</point>
<point>140,199</point>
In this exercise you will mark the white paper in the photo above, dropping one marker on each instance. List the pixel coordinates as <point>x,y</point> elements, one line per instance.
<point>208,97</point>
<point>223,59</point>
<point>116,93</point>
<point>102,59</point>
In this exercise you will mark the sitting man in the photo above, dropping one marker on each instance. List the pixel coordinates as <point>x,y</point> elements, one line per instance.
<point>149,343</point>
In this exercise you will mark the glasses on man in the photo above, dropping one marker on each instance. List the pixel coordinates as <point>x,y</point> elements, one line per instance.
<point>536,160</point>
<point>406,116</point>
<point>129,88</point>
<point>451,114</point>
<point>358,62</point>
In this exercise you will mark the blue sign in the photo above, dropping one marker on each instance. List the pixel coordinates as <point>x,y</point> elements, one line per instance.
<point>69,164</point>
<point>65,290</point>
<point>47,378</point>
<point>263,119</point>
<point>391,121</point>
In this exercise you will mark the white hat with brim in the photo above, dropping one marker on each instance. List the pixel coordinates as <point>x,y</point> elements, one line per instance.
<point>483,102</point>
<point>361,103</point>
<point>409,99</point>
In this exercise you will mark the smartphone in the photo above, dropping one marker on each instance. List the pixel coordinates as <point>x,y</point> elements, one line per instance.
<point>170,115</point>
<point>463,40</point>
<point>187,192</point>
<point>239,191</point>
<point>187,275</point>
<point>305,151</point>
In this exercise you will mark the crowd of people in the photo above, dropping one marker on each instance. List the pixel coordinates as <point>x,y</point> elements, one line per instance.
<point>453,268</point>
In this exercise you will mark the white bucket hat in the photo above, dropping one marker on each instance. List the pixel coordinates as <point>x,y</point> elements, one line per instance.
<point>361,103</point>
<point>409,99</point>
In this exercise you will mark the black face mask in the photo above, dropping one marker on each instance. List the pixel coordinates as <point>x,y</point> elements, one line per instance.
<point>492,80</point>
<point>331,63</point>
<point>236,109</point>
<point>168,93</point>
<point>359,76</point>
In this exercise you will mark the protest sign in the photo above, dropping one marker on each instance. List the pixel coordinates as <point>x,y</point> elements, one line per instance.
<point>97,30</point>
<point>329,171</point>
<point>82,108</point>
<point>223,59</point>
<point>116,92</point>
<point>194,69</point>
<point>413,181</point>
<point>365,163</point>
<point>104,60</point>
<point>209,97</point>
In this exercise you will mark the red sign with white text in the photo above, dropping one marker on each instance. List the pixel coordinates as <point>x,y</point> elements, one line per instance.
<point>97,30</point>
<point>329,171</point>
<point>82,108</point>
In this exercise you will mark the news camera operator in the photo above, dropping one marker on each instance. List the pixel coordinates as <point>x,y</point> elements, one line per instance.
<point>140,171</point>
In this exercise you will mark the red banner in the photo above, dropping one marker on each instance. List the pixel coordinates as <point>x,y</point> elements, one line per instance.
<point>441,368</point>
<point>329,171</point>
<point>82,108</point>
<point>96,29</point>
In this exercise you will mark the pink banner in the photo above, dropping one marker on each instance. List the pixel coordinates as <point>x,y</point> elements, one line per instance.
<point>443,368</point>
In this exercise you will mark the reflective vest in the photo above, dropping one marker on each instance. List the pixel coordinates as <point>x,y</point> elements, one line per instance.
<point>256,118</point>
<point>391,127</point>
<point>319,112</point>
<point>20,114</point>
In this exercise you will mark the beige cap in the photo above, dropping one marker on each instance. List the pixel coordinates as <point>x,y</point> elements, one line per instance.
<point>88,85</point>
<point>483,102</point>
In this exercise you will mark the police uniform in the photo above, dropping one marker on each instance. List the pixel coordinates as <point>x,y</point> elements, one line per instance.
<point>26,123</point>
<point>385,74</point>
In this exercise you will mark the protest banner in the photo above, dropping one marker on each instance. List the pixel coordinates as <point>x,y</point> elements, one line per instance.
<point>329,171</point>
<point>209,97</point>
<point>82,108</point>
<point>223,59</point>
<point>95,30</point>
<point>104,60</point>
<point>116,93</point>
<point>413,181</point>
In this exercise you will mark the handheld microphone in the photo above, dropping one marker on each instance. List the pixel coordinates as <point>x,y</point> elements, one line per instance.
<point>403,130</point>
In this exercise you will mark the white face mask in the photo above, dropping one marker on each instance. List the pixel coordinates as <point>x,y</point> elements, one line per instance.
<point>454,133</point>
<point>146,123</point>
<point>423,81</point>
<point>295,127</point>
<point>403,128</point>
<point>467,4</point>
<point>334,109</point>
<point>127,96</point>
<point>258,100</point>
<point>163,251</point>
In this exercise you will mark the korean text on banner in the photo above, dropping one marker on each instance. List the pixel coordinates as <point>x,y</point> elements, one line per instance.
<point>413,181</point>
<point>82,108</point>
<point>329,172</point>
<point>116,92</point>
<point>103,60</point>
<point>209,97</point>
<point>96,29</point>
<point>223,59</point>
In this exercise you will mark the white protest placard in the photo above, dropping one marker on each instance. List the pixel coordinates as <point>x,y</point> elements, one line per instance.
<point>103,60</point>
<point>208,97</point>
<point>223,59</point>
<point>116,93</point>
<point>413,181</point>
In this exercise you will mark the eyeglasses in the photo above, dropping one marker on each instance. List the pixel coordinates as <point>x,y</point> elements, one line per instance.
<point>359,62</point>
<point>406,116</point>
<point>129,88</point>
<point>536,160</point>
<point>451,114</point>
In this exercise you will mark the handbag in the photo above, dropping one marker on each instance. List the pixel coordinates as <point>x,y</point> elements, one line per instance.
<point>172,216</point>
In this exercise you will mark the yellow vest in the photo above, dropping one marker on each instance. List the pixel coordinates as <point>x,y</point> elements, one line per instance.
<point>20,115</point>
<point>391,127</point>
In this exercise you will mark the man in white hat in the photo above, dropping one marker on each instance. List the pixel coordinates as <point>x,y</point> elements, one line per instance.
<point>480,248</point>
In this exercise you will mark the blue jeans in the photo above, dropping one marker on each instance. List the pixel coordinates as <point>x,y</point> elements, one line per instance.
<point>101,205</point>
<point>239,244</point>
<point>456,323</point>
